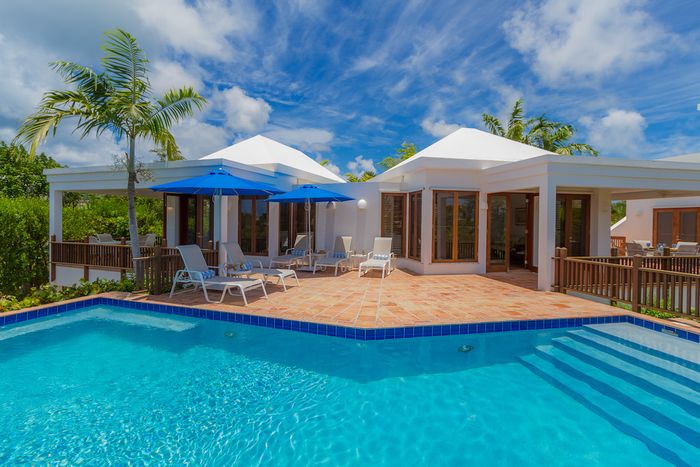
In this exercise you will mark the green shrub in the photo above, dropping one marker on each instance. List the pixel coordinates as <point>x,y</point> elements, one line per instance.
<point>24,226</point>
<point>50,293</point>
<point>108,214</point>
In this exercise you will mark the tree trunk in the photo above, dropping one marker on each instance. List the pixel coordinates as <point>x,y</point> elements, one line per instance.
<point>131,197</point>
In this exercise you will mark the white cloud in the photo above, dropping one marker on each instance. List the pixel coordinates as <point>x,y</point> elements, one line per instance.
<point>359,165</point>
<point>69,149</point>
<point>439,128</point>
<point>306,139</point>
<point>586,39</point>
<point>620,132</point>
<point>7,134</point>
<point>200,28</point>
<point>243,113</point>
<point>166,75</point>
<point>196,139</point>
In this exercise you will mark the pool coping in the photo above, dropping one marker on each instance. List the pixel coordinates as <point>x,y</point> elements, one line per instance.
<point>347,332</point>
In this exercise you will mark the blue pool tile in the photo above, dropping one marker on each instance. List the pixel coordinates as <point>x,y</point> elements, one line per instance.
<point>693,337</point>
<point>10,319</point>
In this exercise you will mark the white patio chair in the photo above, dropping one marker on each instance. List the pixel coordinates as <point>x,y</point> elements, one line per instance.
<point>380,257</point>
<point>644,243</point>
<point>147,240</point>
<point>238,264</point>
<point>338,257</point>
<point>634,249</point>
<point>105,238</point>
<point>199,274</point>
<point>686,249</point>
<point>293,256</point>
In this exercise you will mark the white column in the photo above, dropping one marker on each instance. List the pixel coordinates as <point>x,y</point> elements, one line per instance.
<point>233,218</point>
<point>426,228</point>
<point>56,214</point>
<point>546,233</point>
<point>173,221</point>
<point>221,224</point>
<point>273,229</point>
<point>600,222</point>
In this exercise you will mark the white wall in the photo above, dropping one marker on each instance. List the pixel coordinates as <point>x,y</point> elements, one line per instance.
<point>639,223</point>
<point>68,276</point>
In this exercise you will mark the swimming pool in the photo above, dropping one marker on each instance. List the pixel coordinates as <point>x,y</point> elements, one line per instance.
<point>108,384</point>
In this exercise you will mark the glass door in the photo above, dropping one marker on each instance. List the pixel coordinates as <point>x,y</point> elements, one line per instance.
<point>498,232</point>
<point>392,220</point>
<point>573,224</point>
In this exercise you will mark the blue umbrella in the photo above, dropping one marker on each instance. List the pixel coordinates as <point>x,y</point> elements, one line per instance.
<point>308,194</point>
<point>217,182</point>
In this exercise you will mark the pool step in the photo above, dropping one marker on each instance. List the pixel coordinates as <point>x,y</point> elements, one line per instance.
<point>667,347</point>
<point>653,407</point>
<point>683,395</point>
<point>660,441</point>
<point>684,374</point>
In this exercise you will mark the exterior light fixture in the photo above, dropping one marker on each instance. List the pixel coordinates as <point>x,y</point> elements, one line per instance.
<point>362,204</point>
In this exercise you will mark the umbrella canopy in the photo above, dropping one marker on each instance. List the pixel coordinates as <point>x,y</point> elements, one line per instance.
<point>308,193</point>
<point>217,182</point>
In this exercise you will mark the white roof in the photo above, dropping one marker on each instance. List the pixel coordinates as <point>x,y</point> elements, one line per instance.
<point>263,152</point>
<point>692,157</point>
<point>470,144</point>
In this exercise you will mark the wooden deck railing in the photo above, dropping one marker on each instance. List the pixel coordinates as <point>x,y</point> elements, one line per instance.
<point>155,273</point>
<point>661,283</point>
<point>110,257</point>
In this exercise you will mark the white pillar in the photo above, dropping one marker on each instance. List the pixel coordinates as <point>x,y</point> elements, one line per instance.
<point>600,222</point>
<point>173,220</point>
<point>233,218</point>
<point>221,224</point>
<point>426,228</point>
<point>56,214</point>
<point>546,233</point>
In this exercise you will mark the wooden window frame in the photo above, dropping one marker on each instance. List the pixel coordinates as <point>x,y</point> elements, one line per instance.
<point>675,227</point>
<point>414,231</point>
<point>253,226</point>
<point>455,223</point>
<point>291,218</point>
<point>402,254</point>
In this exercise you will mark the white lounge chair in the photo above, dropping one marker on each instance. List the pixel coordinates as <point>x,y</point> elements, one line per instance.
<point>293,256</point>
<point>238,264</point>
<point>379,258</point>
<point>338,257</point>
<point>686,249</point>
<point>199,274</point>
<point>105,238</point>
<point>147,240</point>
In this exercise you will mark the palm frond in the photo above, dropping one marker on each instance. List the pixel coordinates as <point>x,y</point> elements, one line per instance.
<point>125,63</point>
<point>516,115</point>
<point>176,105</point>
<point>573,149</point>
<point>493,124</point>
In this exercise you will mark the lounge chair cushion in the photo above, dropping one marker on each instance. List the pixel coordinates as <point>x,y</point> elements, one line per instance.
<point>208,274</point>
<point>339,255</point>
<point>380,257</point>
<point>297,252</point>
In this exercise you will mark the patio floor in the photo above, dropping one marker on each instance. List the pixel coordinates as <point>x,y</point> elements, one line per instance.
<point>403,299</point>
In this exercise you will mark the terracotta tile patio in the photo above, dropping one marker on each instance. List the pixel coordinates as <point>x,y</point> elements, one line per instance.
<point>404,299</point>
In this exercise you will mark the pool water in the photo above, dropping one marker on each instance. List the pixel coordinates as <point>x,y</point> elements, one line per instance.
<point>109,385</point>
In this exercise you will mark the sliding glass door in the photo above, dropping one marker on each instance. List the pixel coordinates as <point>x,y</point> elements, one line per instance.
<point>454,226</point>
<point>393,225</point>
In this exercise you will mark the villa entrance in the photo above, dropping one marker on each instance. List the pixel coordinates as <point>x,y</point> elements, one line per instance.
<point>509,231</point>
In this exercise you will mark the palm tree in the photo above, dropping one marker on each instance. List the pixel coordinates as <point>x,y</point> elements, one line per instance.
<point>405,151</point>
<point>117,100</point>
<point>539,131</point>
<point>350,177</point>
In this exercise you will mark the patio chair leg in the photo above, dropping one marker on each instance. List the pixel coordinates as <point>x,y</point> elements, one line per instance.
<point>265,291</point>
<point>175,282</point>
<point>245,300</point>
<point>281,279</point>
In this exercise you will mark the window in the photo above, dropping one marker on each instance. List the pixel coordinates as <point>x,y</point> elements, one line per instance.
<point>293,223</point>
<point>672,225</point>
<point>415,207</point>
<point>392,220</point>
<point>252,224</point>
<point>454,226</point>
<point>196,220</point>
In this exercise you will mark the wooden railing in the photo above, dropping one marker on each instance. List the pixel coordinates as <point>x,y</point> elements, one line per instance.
<point>110,257</point>
<point>661,283</point>
<point>155,273</point>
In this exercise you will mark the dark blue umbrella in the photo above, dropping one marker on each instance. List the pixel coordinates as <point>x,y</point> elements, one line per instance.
<point>308,194</point>
<point>217,182</point>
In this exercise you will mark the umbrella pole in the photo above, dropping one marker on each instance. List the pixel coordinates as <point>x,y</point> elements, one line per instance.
<point>307,207</point>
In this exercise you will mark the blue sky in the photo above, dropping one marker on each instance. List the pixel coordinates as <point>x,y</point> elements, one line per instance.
<point>351,80</point>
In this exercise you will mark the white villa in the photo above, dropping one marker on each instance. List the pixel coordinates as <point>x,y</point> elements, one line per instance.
<point>665,219</point>
<point>470,203</point>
